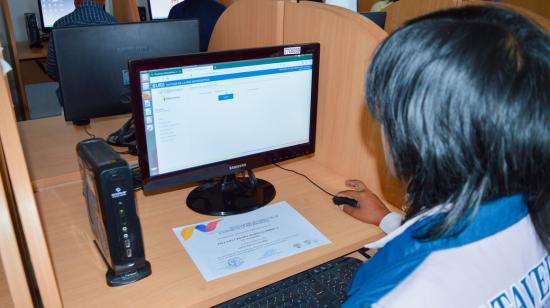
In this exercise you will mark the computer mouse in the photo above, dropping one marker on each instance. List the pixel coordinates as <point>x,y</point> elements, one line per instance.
<point>343,200</point>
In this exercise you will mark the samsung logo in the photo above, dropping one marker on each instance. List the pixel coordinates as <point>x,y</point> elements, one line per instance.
<point>292,50</point>
<point>137,49</point>
<point>237,166</point>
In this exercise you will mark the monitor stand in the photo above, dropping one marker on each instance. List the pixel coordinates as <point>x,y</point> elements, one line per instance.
<point>82,122</point>
<point>231,195</point>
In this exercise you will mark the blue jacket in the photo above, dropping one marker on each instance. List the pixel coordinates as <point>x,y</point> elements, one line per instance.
<point>497,260</point>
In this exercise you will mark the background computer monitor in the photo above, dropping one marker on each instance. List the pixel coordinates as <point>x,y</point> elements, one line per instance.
<point>52,10</point>
<point>216,114</point>
<point>160,8</point>
<point>93,62</point>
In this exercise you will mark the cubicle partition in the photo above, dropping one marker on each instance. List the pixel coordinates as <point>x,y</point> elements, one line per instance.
<point>400,12</point>
<point>20,202</point>
<point>541,20</point>
<point>126,10</point>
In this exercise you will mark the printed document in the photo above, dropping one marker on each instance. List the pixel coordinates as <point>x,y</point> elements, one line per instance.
<point>231,244</point>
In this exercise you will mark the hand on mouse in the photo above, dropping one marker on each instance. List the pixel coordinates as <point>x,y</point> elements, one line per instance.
<point>370,208</point>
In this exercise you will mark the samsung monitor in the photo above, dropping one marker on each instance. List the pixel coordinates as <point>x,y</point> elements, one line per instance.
<point>52,10</point>
<point>159,9</point>
<point>93,62</point>
<point>215,115</point>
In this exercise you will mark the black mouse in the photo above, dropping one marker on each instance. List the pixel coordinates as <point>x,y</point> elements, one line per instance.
<point>343,200</point>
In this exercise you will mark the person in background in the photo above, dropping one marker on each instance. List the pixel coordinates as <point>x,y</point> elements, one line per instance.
<point>206,11</point>
<point>463,98</point>
<point>87,12</point>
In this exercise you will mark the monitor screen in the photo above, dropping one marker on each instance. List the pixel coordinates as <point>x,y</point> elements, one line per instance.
<point>216,114</point>
<point>52,10</point>
<point>160,8</point>
<point>93,77</point>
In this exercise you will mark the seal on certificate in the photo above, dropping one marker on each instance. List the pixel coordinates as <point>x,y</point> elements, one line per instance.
<point>235,262</point>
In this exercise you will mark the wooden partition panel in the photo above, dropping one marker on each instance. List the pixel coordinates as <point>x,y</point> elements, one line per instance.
<point>14,290</point>
<point>365,5</point>
<point>540,7</point>
<point>404,10</point>
<point>24,198</point>
<point>543,22</point>
<point>249,23</point>
<point>348,138</point>
<point>125,10</point>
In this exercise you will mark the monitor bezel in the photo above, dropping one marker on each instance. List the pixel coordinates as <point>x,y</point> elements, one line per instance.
<point>230,166</point>
<point>42,25</point>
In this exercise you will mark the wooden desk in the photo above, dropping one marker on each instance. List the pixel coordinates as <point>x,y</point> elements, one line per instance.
<point>25,52</point>
<point>30,68</point>
<point>49,146</point>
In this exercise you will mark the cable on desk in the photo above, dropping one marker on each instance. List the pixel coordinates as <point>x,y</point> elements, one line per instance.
<point>363,252</point>
<point>298,173</point>
<point>87,132</point>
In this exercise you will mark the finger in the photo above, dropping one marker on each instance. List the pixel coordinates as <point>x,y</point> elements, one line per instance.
<point>353,194</point>
<point>356,184</point>
<point>350,210</point>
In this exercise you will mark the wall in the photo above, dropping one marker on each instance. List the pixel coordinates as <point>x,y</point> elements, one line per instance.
<point>6,45</point>
<point>18,8</point>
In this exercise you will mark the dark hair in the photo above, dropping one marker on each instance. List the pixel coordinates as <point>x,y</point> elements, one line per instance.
<point>464,99</point>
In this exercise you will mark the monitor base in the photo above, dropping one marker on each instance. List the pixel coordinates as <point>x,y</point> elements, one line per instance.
<point>82,122</point>
<point>231,195</point>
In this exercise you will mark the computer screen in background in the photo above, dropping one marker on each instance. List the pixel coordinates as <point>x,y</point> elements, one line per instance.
<point>52,10</point>
<point>160,8</point>
<point>93,62</point>
<point>218,114</point>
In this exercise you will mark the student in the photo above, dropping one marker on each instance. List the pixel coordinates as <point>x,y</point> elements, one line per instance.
<point>207,11</point>
<point>87,12</point>
<point>463,97</point>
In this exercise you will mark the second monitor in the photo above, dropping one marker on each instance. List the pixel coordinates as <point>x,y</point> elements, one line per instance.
<point>93,62</point>
<point>203,116</point>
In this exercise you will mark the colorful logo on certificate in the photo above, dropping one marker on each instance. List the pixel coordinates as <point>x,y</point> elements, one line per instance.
<point>187,232</point>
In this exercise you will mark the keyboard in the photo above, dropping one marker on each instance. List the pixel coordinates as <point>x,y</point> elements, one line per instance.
<point>323,286</point>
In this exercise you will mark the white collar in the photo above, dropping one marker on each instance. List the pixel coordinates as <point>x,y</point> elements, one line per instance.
<point>390,236</point>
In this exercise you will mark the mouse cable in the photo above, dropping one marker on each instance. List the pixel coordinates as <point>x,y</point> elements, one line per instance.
<point>88,132</point>
<point>298,173</point>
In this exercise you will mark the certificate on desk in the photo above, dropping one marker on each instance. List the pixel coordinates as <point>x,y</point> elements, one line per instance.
<point>231,244</point>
